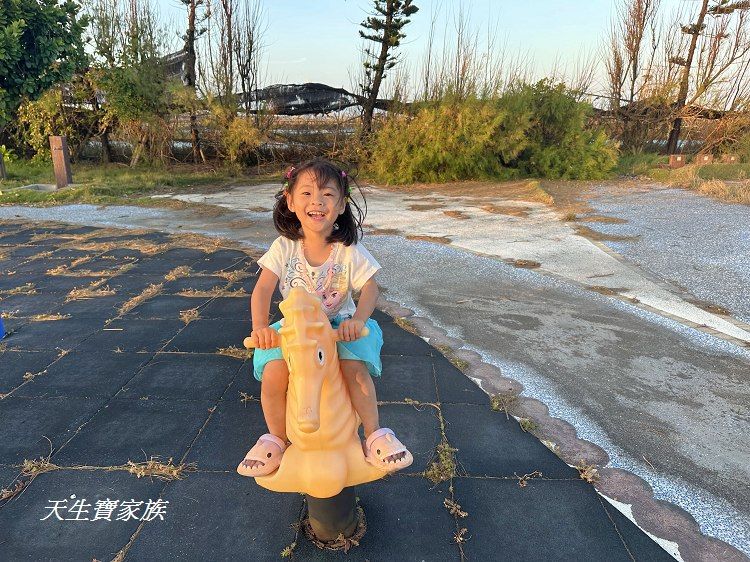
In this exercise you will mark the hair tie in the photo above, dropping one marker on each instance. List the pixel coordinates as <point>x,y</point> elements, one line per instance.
<point>288,174</point>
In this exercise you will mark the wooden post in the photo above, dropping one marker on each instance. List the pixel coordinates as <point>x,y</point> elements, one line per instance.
<point>61,161</point>
<point>677,160</point>
<point>702,159</point>
<point>3,173</point>
<point>730,159</point>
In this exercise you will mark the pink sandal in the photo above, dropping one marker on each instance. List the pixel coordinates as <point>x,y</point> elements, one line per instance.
<point>386,444</point>
<point>268,450</point>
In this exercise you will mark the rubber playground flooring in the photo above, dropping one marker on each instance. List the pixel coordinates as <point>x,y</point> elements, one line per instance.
<point>126,404</point>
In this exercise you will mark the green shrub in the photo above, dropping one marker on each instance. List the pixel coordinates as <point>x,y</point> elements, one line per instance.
<point>561,144</point>
<point>452,139</point>
<point>639,163</point>
<point>539,130</point>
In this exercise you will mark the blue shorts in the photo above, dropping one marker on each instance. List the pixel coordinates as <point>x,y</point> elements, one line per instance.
<point>365,349</point>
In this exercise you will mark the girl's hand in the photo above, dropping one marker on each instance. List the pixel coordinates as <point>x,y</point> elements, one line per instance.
<point>265,338</point>
<point>350,329</point>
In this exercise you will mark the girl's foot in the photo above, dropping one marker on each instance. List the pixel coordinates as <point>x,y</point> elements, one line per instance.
<point>264,457</point>
<point>383,450</point>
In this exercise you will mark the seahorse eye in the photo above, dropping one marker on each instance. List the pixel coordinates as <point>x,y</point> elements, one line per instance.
<point>321,356</point>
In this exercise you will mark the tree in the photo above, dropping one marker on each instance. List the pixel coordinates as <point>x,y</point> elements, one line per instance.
<point>383,28</point>
<point>191,34</point>
<point>40,45</point>
<point>721,47</point>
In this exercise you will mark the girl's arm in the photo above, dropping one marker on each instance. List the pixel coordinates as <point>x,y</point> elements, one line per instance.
<point>260,306</point>
<point>368,296</point>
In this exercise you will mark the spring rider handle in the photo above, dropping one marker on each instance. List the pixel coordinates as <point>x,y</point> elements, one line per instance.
<point>248,341</point>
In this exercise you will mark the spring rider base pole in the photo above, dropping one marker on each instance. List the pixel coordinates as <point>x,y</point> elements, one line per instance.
<point>331,517</point>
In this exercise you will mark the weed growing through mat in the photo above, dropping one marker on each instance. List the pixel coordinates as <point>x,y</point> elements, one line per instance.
<point>450,355</point>
<point>233,276</point>
<point>29,376</point>
<point>149,292</point>
<point>460,536</point>
<point>152,467</point>
<point>587,472</point>
<point>189,315</point>
<point>235,352</point>
<point>177,272</point>
<point>523,480</point>
<point>443,468</point>
<point>503,403</point>
<point>527,425</point>
<point>215,292</point>
<point>49,317</point>
<point>94,290</point>
<point>25,289</point>
<point>405,324</point>
<point>453,508</point>
<point>8,493</point>
<point>245,397</point>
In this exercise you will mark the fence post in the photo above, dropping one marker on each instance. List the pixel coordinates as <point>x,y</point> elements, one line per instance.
<point>61,161</point>
<point>3,173</point>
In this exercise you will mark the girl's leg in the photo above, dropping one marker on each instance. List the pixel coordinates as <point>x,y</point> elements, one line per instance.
<point>273,399</point>
<point>362,392</point>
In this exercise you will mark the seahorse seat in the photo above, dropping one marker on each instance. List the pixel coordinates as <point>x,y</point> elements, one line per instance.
<point>326,452</point>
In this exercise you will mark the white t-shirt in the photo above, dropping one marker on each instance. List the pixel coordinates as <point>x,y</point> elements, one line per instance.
<point>352,268</point>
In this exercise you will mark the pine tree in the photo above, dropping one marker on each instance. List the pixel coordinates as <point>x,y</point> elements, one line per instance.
<point>384,27</point>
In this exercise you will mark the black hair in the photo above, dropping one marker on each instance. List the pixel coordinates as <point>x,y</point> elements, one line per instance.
<point>347,228</point>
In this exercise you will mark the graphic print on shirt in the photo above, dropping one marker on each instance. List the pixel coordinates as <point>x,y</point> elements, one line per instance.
<point>331,295</point>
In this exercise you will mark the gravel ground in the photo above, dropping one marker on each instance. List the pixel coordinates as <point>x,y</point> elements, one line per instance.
<point>695,242</point>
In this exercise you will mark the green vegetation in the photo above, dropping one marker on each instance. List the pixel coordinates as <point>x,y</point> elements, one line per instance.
<point>40,45</point>
<point>539,130</point>
<point>111,184</point>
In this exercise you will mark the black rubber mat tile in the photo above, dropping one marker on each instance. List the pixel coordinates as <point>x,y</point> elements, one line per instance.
<point>53,334</point>
<point>208,336</point>
<point>31,529</point>
<point>640,545</point>
<point>133,335</point>
<point>31,305</point>
<point>230,308</point>
<point>86,374</point>
<point>34,426</point>
<point>418,428</point>
<point>397,341</point>
<point>491,445</point>
<point>101,308</point>
<point>177,375</point>
<point>233,429</point>
<point>454,387</point>
<point>136,430</point>
<point>545,520</point>
<point>198,509</point>
<point>15,364</point>
<point>244,382</point>
<point>221,260</point>
<point>166,307</point>
<point>406,377</point>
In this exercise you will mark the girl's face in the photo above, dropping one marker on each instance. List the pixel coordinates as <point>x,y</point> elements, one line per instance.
<point>317,207</point>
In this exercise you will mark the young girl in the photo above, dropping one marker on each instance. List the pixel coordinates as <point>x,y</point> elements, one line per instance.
<point>318,250</point>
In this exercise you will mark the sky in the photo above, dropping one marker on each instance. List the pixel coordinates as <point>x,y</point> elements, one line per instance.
<point>318,40</point>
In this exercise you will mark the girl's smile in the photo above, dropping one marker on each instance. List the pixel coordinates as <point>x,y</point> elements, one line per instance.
<point>317,207</point>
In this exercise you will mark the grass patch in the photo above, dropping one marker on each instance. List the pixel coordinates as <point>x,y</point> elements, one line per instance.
<point>527,425</point>
<point>103,184</point>
<point>443,466</point>
<point>726,182</point>
<point>525,264</point>
<point>153,468</point>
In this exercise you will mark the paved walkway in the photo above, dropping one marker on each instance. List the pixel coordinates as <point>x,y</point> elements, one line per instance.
<point>97,386</point>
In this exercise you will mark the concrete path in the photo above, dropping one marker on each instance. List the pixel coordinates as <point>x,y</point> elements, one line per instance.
<point>135,414</point>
